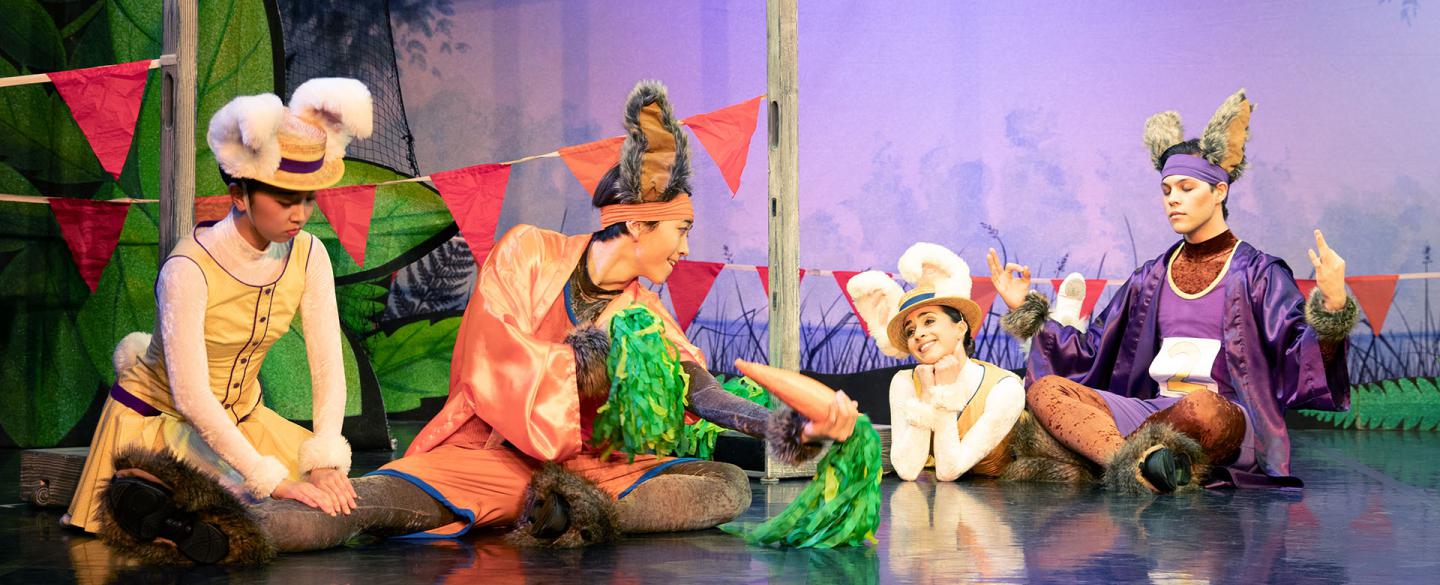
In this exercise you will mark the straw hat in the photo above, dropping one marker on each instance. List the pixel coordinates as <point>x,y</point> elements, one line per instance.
<point>299,148</point>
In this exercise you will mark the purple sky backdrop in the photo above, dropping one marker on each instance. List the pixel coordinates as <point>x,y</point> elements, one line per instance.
<point>922,120</point>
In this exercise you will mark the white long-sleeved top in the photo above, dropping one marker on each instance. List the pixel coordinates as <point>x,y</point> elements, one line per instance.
<point>181,294</point>
<point>917,420</point>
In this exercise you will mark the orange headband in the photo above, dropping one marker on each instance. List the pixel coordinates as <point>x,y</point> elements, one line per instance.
<point>677,208</point>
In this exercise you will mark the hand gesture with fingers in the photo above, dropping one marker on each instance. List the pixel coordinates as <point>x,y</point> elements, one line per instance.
<point>839,423</point>
<point>1329,273</point>
<point>331,481</point>
<point>1011,288</point>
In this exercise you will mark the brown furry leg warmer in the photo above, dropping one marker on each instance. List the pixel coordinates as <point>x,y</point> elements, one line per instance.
<point>565,510</point>
<point>693,495</point>
<point>1041,458</point>
<point>190,505</point>
<point>1125,475</point>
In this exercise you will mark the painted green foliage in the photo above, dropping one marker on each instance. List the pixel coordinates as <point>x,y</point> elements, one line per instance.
<point>1404,404</point>
<point>55,354</point>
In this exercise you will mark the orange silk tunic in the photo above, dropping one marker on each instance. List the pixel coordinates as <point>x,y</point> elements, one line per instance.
<point>512,377</point>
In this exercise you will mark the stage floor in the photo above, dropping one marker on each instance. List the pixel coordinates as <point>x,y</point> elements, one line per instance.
<point>1368,515</point>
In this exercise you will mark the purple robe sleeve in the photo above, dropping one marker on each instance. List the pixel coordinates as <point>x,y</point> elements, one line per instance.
<point>1301,377</point>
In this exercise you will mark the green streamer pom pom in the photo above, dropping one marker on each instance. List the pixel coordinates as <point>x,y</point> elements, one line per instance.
<point>646,410</point>
<point>840,507</point>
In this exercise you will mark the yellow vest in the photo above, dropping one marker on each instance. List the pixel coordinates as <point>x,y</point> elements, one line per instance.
<point>241,323</point>
<point>994,462</point>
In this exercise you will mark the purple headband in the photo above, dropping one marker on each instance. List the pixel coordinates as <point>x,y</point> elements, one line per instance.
<point>1194,166</point>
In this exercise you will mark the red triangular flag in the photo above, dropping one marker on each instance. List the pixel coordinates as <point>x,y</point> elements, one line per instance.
<point>589,161</point>
<point>1306,285</point>
<point>764,272</point>
<point>689,284</point>
<point>1094,287</point>
<point>349,210</point>
<point>725,133</point>
<point>105,102</point>
<point>1374,294</point>
<point>982,291</point>
<point>842,278</point>
<point>474,196</point>
<point>91,229</point>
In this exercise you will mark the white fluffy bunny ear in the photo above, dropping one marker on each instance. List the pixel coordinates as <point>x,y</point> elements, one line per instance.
<point>876,297</point>
<point>934,266</point>
<point>340,105</point>
<point>243,135</point>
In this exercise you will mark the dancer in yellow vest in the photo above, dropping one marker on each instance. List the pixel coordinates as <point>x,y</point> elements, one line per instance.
<point>190,394</point>
<point>966,407</point>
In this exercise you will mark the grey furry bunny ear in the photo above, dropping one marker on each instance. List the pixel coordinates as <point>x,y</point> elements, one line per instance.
<point>1162,131</point>
<point>1225,137</point>
<point>655,158</point>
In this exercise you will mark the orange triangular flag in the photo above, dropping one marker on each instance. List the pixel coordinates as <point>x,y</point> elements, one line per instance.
<point>91,229</point>
<point>349,210</point>
<point>1374,295</point>
<point>589,161</point>
<point>725,133</point>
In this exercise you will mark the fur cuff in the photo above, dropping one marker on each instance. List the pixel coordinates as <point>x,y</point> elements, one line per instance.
<point>784,435</point>
<point>1331,326</point>
<point>1041,458</point>
<point>129,351</point>
<point>263,479</point>
<point>592,347</point>
<point>592,514</point>
<point>920,414</point>
<point>952,397</point>
<point>325,452</point>
<point>1027,319</point>
<point>1123,473</point>
<point>193,491</point>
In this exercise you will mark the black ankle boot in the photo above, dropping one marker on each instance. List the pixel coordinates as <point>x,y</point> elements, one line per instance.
<point>144,509</point>
<point>1161,470</point>
<point>549,518</point>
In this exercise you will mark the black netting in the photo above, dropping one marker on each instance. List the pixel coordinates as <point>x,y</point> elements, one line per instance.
<point>331,38</point>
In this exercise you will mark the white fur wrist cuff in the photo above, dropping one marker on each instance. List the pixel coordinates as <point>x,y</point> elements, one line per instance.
<point>950,397</point>
<point>325,452</point>
<point>266,476</point>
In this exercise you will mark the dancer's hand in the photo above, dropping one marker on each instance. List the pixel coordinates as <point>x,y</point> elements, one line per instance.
<point>839,423</point>
<point>1011,288</point>
<point>337,485</point>
<point>307,494</point>
<point>941,373</point>
<point>1329,273</point>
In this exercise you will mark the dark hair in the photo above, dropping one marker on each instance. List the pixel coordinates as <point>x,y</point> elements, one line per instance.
<point>1192,148</point>
<point>607,192</point>
<point>956,317</point>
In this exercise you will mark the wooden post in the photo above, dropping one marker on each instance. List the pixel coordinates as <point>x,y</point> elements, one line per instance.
<point>782,40</point>
<point>177,123</point>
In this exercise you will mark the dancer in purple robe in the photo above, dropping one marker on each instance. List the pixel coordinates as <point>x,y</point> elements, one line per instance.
<point>1183,380</point>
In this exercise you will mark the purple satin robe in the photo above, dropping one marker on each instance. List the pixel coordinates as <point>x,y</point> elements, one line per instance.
<point>1272,354</point>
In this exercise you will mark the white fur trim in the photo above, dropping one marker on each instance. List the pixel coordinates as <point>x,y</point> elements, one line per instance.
<point>935,266</point>
<point>325,452</point>
<point>266,476</point>
<point>921,414</point>
<point>952,397</point>
<point>243,135</point>
<point>876,297</point>
<point>342,106</point>
<point>129,350</point>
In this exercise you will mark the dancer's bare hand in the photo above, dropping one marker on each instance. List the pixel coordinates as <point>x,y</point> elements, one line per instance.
<point>1329,273</point>
<point>337,485</point>
<point>1010,287</point>
<point>306,493</point>
<point>839,423</point>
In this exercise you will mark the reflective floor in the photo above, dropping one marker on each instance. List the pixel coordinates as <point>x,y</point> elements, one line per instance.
<point>1368,515</point>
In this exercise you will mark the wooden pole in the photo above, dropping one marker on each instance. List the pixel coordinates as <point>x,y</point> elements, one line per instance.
<point>782,39</point>
<point>177,123</point>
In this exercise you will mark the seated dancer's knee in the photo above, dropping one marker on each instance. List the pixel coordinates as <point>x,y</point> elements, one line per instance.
<point>1213,421</point>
